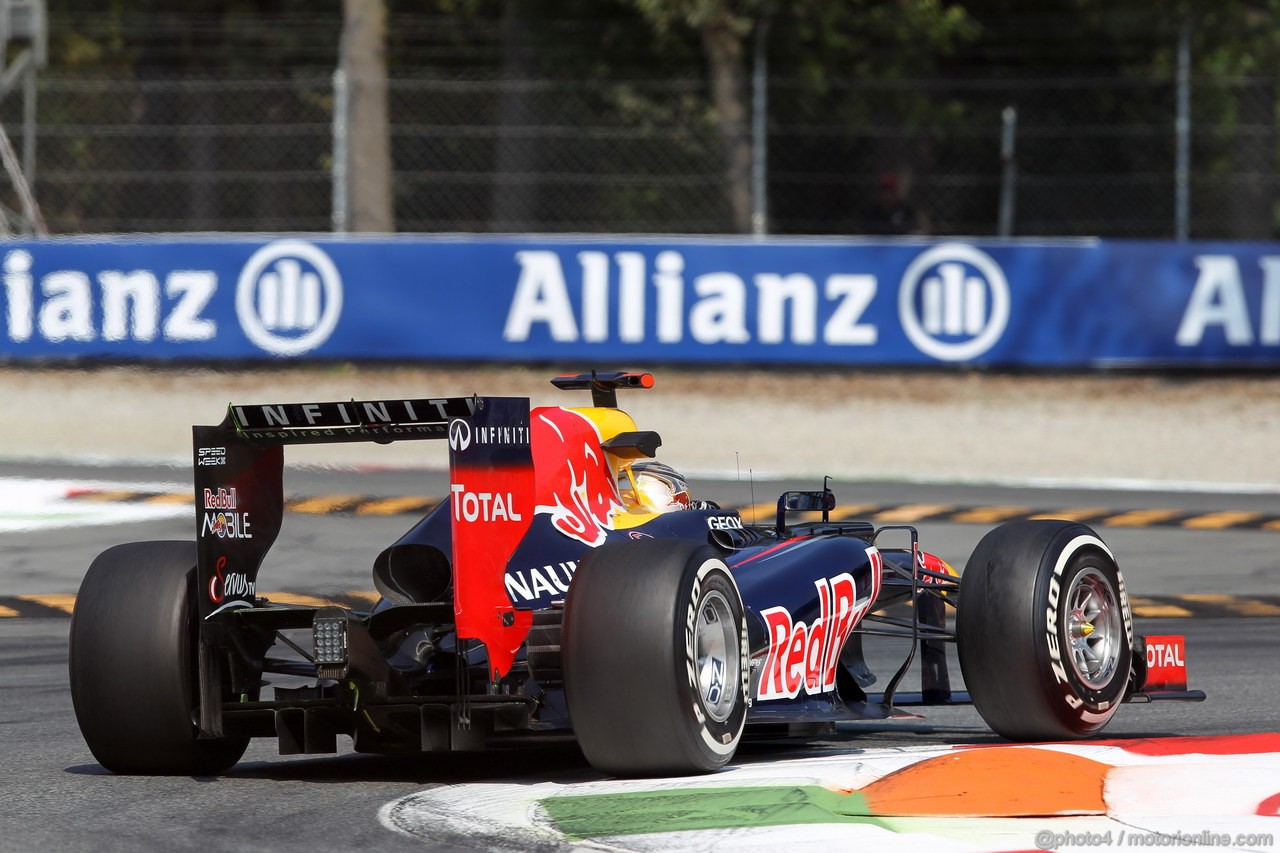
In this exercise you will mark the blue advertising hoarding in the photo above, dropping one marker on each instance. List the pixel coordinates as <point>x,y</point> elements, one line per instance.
<point>627,301</point>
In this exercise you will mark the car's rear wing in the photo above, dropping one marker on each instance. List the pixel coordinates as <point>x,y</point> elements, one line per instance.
<point>351,420</point>
<point>239,475</point>
<point>239,495</point>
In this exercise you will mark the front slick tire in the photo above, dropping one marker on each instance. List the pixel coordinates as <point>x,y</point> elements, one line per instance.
<point>1045,632</point>
<point>133,663</point>
<point>655,658</point>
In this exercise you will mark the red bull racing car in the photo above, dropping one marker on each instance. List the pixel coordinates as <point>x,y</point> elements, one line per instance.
<point>569,584</point>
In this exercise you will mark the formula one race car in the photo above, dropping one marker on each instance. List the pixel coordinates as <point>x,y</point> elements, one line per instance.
<point>568,583</point>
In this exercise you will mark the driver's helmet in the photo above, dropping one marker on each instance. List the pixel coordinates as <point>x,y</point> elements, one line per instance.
<point>654,487</point>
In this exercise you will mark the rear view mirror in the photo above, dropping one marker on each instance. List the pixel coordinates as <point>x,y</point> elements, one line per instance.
<point>823,501</point>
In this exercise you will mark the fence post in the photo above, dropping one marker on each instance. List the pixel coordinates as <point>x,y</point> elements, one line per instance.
<point>340,158</point>
<point>1009,172</point>
<point>1182,130</point>
<point>29,127</point>
<point>760,131</point>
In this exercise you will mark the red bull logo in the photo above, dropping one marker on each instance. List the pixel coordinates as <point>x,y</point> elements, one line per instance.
<point>221,499</point>
<point>227,525</point>
<point>804,656</point>
<point>932,563</point>
<point>573,481</point>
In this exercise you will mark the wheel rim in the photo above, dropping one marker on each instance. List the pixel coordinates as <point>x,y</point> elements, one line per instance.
<point>716,647</point>
<point>1093,627</point>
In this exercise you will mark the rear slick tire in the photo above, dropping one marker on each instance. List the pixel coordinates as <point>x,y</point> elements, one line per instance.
<point>1045,631</point>
<point>655,658</point>
<point>133,664</point>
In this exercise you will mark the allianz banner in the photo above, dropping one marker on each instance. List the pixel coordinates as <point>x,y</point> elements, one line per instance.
<point>623,301</point>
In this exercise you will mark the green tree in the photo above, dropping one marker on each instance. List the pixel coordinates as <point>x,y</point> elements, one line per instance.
<point>722,26</point>
<point>837,30</point>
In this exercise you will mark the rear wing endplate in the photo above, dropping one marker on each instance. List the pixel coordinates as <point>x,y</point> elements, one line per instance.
<point>239,496</point>
<point>239,475</point>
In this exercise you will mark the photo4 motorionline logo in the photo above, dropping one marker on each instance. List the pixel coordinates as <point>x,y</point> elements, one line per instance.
<point>288,300</point>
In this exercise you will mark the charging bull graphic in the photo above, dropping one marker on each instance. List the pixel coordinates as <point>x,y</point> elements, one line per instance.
<point>574,484</point>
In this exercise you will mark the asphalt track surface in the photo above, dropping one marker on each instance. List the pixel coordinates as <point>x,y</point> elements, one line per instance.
<point>56,797</point>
